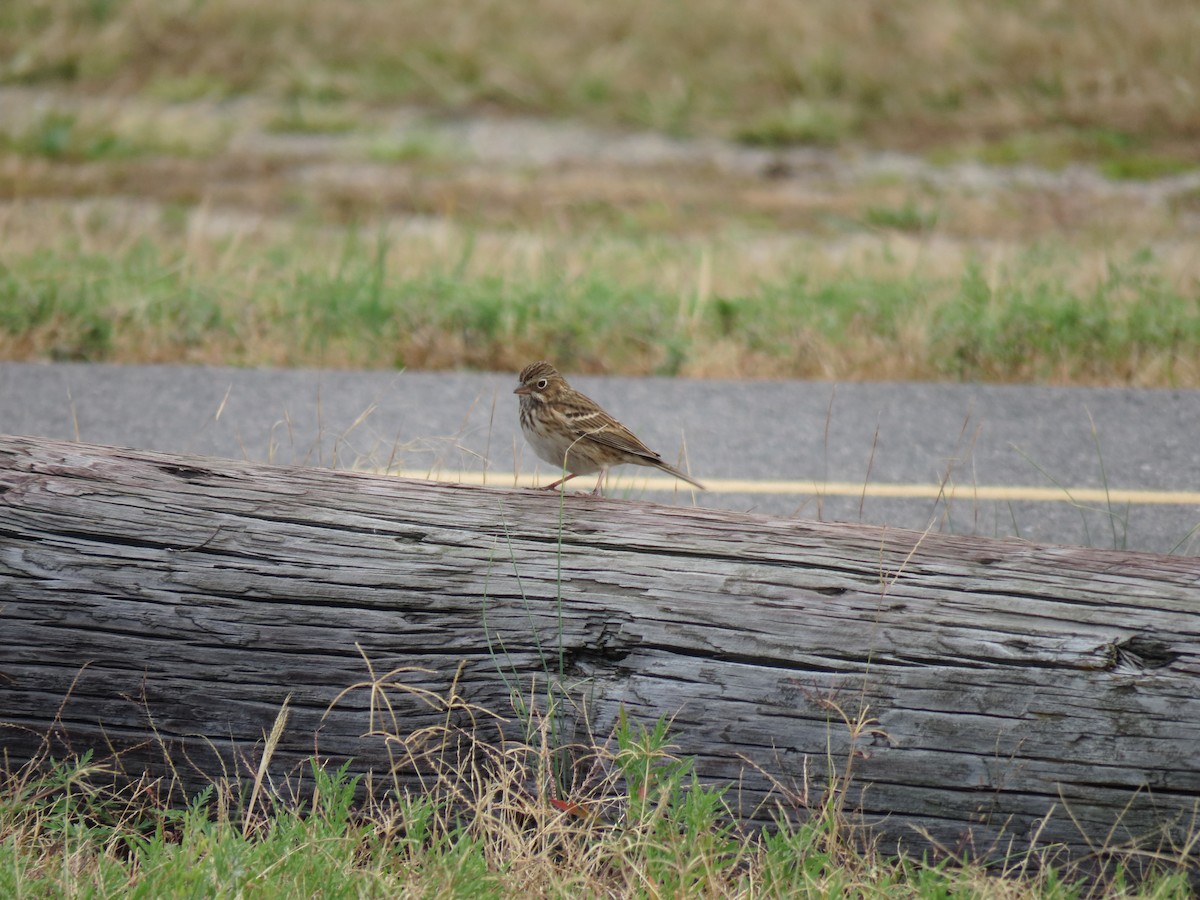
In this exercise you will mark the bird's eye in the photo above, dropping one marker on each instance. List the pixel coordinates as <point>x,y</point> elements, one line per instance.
<point>542,382</point>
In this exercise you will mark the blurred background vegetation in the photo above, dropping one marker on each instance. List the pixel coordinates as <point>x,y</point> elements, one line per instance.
<point>882,189</point>
<point>1034,79</point>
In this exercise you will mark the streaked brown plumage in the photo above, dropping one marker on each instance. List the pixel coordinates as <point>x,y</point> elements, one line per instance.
<point>570,431</point>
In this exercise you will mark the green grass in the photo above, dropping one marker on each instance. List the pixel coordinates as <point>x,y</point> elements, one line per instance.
<point>800,123</point>
<point>73,137</point>
<point>55,842</point>
<point>304,303</point>
<point>651,830</point>
<point>1034,328</point>
<point>908,217</point>
<point>1118,154</point>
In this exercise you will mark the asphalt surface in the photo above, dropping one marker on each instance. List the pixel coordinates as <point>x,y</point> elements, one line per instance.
<point>1093,467</point>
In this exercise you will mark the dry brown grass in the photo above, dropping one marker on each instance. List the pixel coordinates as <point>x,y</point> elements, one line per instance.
<point>898,74</point>
<point>469,811</point>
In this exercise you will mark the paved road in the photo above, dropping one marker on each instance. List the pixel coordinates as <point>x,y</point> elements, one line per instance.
<point>992,460</point>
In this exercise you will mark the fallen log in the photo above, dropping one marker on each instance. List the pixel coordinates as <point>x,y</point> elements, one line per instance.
<point>982,694</point>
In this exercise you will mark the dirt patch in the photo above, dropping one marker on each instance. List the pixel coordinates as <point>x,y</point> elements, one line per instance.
<point>524,173</point>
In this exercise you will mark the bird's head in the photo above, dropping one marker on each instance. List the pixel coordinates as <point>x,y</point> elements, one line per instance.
<point>540,380</point>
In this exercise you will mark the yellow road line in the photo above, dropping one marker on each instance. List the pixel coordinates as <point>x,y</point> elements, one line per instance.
<point>618,483</point>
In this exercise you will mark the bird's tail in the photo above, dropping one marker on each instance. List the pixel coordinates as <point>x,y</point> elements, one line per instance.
<point>674,471</point>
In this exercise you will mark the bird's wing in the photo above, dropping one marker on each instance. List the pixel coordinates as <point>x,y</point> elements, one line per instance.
<point>592,423</point>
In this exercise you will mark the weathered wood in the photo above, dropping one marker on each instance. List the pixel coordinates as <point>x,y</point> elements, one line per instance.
<point>1012,690</point>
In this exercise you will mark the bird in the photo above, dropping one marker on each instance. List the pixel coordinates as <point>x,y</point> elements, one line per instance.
<point>571,431</point>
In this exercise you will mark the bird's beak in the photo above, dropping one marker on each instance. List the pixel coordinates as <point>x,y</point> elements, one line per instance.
<point>523,389</point>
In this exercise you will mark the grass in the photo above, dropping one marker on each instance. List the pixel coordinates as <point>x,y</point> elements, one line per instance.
<point>163,195</point>
<point>924,76</point>
<point>102,844</point>
<point>78,136</point>
<point>1033,326</point>
<point>379,301</point>
<point>493,822</point>
<point>1118,154</point>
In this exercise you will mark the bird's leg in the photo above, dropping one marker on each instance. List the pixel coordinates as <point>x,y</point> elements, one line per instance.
<point>596,491</point>
<point>562,480</point>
